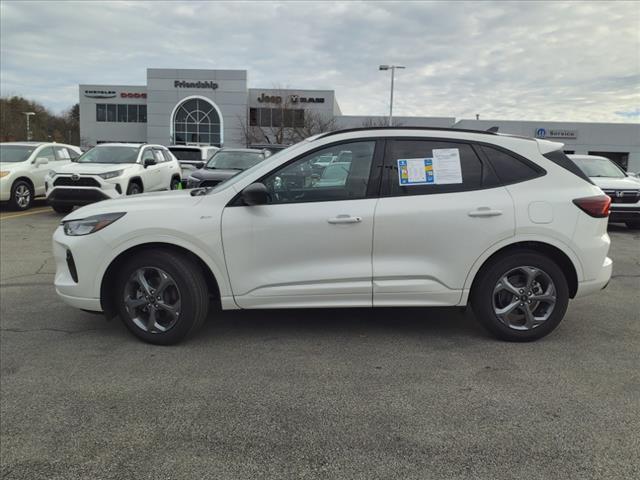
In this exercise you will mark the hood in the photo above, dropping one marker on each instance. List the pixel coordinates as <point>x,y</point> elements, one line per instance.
<point>214,174</point>
<point>11,165</point>
<point>168,200</point>
<point>608,183</point>
<point>94,168</point>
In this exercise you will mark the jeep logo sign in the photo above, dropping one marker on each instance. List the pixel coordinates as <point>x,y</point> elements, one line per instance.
<point>264,98</point>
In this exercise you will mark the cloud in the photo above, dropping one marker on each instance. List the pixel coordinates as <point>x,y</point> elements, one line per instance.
<point>525,60</point>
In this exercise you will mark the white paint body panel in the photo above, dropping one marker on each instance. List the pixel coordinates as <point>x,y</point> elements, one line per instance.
<point>289,254</point>
<point>424,244</point>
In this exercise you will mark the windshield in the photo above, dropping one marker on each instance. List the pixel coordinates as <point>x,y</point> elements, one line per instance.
<point>15,153</point>
<point>599,167</point>
<point>110,155</point>
<point>235,160</point>
<point>187,153</point>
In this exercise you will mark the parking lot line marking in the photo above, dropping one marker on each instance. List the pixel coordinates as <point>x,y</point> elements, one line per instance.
<point>24,214</point>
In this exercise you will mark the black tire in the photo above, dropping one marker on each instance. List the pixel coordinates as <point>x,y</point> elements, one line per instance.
<point>189,283</point>
<point>134,188</point>
<point>63,209</point>
<point>175,183</point>
<point>633,224</point>
<point>21,195</point>
<point>482,295</point>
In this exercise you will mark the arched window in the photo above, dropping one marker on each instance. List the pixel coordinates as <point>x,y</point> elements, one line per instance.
<point>196,121</point>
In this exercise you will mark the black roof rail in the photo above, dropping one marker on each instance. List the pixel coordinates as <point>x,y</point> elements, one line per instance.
<point>442,129</point>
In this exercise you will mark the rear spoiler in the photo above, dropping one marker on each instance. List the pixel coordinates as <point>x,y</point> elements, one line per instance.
<point>546,146</point>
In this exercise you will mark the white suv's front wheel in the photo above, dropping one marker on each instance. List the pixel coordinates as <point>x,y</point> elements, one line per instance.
<point>161,296</point>
<point>21,195</point>
<point>520,296</point>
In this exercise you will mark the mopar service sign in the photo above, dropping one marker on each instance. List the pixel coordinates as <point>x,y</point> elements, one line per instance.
<point>555,133</point>
<point>199,84</point>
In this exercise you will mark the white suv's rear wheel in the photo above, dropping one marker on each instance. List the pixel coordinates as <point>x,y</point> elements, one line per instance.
<point>521,296</point>
<point>161,296</point>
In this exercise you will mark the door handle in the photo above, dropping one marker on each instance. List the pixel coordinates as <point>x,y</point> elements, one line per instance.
<point>485,212</point>
<point>344,219</point>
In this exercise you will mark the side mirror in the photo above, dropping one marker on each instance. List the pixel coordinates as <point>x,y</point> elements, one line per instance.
<point>199,165</point>
<point>255,194</point>
<point>41,161</point>
<point>147,162</point>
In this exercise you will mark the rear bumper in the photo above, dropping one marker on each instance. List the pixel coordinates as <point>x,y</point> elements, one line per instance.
<point>600,282</point>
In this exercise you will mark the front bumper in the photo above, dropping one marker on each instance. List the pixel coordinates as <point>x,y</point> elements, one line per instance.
<point>624,214</point>
<point>5,188</point>
<point>83,291</point>
<point>62,190</point>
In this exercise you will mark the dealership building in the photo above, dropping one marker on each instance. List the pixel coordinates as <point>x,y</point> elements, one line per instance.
<point>217,107</point>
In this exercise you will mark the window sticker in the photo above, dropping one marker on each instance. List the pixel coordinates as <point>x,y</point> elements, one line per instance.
<point>415,171</point>
<point>446,166</point>
<point>441,169</point>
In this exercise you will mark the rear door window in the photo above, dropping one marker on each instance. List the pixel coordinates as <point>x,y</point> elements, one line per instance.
<point>473,173</point>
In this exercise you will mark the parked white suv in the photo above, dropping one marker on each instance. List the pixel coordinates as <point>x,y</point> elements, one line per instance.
<point>112,170</point>
<point>424,217</point>
<point>623,188</point>
<point>23,167</point>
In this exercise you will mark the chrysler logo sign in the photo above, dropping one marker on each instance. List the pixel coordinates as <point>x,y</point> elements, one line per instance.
<point>198,84</point>
<point>99,93</point>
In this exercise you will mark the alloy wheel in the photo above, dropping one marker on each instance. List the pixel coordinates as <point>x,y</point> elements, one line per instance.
<point>524,298</point>
<point>22,196</point>
<point>152,300</point>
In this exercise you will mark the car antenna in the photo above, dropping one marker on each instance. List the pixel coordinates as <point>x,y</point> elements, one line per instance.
<point>493,129</point>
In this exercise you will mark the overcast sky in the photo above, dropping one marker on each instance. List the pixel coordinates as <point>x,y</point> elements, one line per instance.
<point>536,61</point>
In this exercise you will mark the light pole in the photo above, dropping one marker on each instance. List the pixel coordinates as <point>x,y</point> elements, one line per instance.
<point>28,114</point>
<point>393,72</point>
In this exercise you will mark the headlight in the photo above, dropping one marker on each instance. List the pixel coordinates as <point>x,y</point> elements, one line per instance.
<point>4,173</point>
<point>108,175</point>
<point>52,173</point>
<point>88,225</point>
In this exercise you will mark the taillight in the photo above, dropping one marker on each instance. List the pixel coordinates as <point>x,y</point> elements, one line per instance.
<point>597,206</point>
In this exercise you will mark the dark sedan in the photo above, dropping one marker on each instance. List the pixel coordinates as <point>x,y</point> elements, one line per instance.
<point>224,164</point>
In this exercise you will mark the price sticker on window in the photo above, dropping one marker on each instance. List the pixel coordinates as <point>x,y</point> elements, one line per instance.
<point>415,171</point>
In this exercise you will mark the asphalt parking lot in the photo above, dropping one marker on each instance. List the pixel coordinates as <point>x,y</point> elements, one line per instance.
<point>340,394</point>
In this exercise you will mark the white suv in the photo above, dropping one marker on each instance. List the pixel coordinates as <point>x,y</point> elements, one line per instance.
<point>623,188</point>
<point>424,217</point>
<point>111,170</point>
<point>24,165</point>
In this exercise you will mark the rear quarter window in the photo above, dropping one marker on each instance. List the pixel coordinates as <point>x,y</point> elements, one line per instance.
<point>509,168</point>
<point>560,158</point>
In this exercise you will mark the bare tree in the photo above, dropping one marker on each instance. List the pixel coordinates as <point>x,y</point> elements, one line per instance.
<point>375,122</point>
<point>289,121</point>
